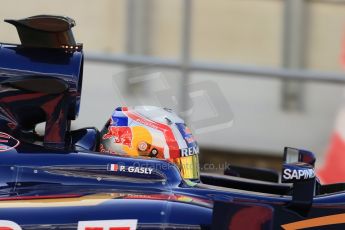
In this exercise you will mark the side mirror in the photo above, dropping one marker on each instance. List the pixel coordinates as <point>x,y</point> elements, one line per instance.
<point>298,168</point>
<point>292,155</point>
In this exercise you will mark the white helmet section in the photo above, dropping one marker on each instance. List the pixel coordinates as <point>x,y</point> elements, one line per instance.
<point>163,116</point>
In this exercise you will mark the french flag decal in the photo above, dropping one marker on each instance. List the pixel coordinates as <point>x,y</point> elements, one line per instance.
<point>113,167</point>
<point>130,224</point>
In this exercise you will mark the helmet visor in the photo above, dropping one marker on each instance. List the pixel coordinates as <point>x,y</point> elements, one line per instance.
<point>189,166</point>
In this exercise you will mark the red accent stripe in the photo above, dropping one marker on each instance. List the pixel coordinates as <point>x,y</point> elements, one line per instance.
<point>39,197</point>
<point>94,228</point>
<point>174,151</point>
<point>24,97</point>
<point>119,228</point>
<point>6,228</point>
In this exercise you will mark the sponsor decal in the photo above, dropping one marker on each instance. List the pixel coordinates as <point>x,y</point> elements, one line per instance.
<point>188,131</point>
<point>297,174</point>
<point>7,142</point>
<point>130,224</point>
<point>190,139</point>
<point>121,135</point>
<point>130,169</point>
<point>142,146</point>
<point>189,151</point>
<point>9,225</point>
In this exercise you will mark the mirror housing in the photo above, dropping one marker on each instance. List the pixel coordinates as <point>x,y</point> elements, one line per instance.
<point>298,168</point>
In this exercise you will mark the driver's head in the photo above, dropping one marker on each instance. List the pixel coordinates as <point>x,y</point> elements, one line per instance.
<point>149,131</point>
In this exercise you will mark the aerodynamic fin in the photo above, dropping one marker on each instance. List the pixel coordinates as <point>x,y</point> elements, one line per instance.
<point>46,31</point>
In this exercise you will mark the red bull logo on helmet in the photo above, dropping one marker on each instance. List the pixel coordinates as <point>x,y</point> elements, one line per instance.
<point>121,134</point>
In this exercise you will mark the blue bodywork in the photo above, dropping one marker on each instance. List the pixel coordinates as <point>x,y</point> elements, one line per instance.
<point>23,61</point>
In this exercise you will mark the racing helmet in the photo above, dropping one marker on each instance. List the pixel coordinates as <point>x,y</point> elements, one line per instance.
<point>149,131</point>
